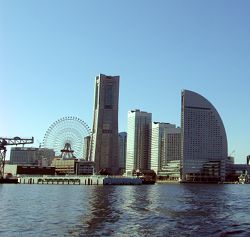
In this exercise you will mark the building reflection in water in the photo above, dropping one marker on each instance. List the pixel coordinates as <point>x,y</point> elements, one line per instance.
<point>161,210</point>
<point>139,204</point>
<point>201,206</point>
<point>151,210</point>
<point>102,212</point>
<point>117,210</point>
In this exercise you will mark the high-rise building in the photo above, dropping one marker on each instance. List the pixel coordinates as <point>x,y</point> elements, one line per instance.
<point>173,144</point>
<point>204,140</point>
<point>158,145</point>
<point>138,141</point>
<point>165,145</point>
<point>122,151</point>
<point>104,141</point>
<point>248,160</point>
<point>86,147</point>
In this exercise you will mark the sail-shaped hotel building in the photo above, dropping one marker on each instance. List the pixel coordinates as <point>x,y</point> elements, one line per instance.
<point>203,140</point>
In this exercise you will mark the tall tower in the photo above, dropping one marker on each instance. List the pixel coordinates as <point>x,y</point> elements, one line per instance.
<point>104,141</point>
<point>138,141</point>
<point>204,140</point>
<point>173,144</point>
<point>86,148</point>
<point>122,151</point>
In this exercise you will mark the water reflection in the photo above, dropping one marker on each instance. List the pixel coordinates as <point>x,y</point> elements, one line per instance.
<point>118,211</point>
<point>162,210</point>
<point>139,204</point>
<point>200,206</point>
<point>154,210</point>
<point>102,213</point>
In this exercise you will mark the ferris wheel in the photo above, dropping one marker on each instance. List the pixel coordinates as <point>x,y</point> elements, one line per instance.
<point>66,135</point>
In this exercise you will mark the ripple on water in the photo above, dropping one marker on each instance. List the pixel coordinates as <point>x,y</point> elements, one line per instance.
<point>154,210</point>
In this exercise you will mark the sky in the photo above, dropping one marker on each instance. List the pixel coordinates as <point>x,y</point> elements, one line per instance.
<point>51,52</point>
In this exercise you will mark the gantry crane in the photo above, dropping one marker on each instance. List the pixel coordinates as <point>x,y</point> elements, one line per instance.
<point>4,141</point>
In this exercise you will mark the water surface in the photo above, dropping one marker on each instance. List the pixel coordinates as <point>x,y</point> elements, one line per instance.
<point>147,210</point>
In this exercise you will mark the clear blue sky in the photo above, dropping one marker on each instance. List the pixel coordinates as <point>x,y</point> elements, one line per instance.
<point>51,51</point>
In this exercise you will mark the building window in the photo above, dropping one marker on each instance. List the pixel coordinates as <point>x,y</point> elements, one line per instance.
<point>108,101</point>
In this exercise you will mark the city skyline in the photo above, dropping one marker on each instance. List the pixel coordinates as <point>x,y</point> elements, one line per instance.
<point>48,61</point>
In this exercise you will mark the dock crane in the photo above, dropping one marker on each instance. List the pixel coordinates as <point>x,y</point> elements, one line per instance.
<point>4,141</point>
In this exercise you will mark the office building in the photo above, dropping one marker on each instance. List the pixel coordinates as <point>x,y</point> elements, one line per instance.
<point>173,144</point>
<point>204,141</point>
<point>122,151</point>
<point>86,147</point>
<point>170,171</point>
<point>64,166</point>
<point>31,156</point>
<point>104,142</point>
<point>13,170</point>
<point>241,168</point>
<point>83,167</point>
<point>165,145</point>
<point>248,159</point>
<point>138,141</point>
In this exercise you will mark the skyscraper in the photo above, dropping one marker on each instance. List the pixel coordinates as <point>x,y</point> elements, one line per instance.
<point>86,147</point>
<point>122,151</point>
<point>204,141</point>
<point>173,144</point>
<point>138,141</point>
<point>104,140</point>
<point>165,145</point>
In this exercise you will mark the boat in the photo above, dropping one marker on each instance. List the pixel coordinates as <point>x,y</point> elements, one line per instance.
<point>147,176</point>
<point>147,181</point>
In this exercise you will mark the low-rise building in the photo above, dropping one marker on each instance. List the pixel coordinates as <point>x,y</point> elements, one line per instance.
<point>31,156</point>
<point>35,170</point>
<point>83,167</point>
<point>15,170</point>
<point>171,171</point>
<point>64,166</point>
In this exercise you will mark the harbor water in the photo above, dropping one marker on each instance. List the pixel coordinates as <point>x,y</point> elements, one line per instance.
<point>143,210</point>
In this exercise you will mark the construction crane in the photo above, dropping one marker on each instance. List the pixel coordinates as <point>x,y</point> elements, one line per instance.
<point>4,141</point>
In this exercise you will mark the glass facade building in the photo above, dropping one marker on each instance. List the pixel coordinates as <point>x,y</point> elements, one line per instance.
<point>204,141</point>
<point>104,140</point>
<point>86,147</point>
<point>122,151</point>
<point>171,171</point>
<point>165,145</point>
<point>138,141</point>
<point>158,148</point>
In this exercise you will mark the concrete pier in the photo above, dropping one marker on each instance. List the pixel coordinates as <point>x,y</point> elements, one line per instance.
<point>73,180</point>
<point>79,180</point>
